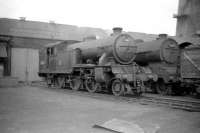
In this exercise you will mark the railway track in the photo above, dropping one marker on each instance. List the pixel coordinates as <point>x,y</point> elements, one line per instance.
<point>182,103</point>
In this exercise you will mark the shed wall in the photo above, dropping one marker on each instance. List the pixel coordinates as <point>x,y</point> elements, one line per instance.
<point>25,64</point>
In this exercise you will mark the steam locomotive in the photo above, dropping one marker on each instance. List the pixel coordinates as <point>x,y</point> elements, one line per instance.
<point>118,64</point>
<point>175,61</point>
<point>161,56</point>
<point>98,65</point>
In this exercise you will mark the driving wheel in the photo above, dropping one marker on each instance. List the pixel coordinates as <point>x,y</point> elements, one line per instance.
<point>117,87</point>
<point>91,85</point>
<point>161,88</point>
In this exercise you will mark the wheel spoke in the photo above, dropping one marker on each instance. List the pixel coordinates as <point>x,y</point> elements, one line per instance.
<point>117,87</point>
<point>91,85</point>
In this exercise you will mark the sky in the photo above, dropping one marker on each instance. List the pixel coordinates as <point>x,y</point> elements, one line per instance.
<point>147,16</point>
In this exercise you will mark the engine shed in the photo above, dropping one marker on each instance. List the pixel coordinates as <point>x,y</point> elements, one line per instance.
<point>21,39</point>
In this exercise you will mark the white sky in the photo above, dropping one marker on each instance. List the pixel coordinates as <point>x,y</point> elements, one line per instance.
<point>148,16</point>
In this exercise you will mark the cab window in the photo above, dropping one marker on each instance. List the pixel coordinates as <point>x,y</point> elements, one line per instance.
<point>51,51</point>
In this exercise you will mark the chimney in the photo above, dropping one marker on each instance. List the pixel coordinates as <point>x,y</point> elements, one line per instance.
<point>117,31</point>
<point>22,18</point>
<point>52,22</point>
<point>162,36</point>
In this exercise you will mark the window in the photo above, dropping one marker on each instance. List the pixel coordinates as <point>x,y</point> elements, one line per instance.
<point>51,51</point>
<point>48,51</point>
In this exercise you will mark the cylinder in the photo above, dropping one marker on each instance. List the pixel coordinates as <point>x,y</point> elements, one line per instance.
<point>162,49</point>
<point>121,46</point>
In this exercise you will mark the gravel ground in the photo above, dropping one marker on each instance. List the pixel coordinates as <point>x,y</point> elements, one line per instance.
<point>41,110</point>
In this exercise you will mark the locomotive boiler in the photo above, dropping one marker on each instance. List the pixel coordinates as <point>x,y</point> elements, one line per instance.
<point>161,50</point>
<point>120,47</point>
<point>96,65</point>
